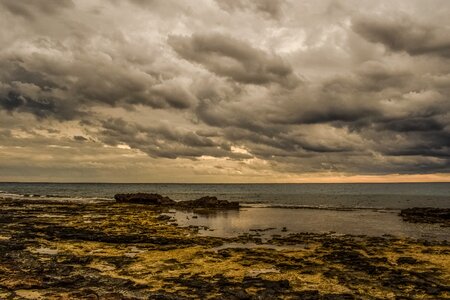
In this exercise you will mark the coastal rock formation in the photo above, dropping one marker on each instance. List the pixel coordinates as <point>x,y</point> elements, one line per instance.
<point>158,200</point>
<point>208,202</point>
<point>426,215</point>
<point>144,198</point>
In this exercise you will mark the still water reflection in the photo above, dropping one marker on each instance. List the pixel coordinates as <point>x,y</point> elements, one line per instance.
<point>269,221</point>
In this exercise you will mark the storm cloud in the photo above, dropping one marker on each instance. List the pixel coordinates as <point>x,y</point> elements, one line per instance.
<point>232,58</point>
<point>216,90</point>
<point>403,34</point>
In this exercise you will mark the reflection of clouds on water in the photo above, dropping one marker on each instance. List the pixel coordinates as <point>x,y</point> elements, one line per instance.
<point>221,222</point>
<point>269,221</point>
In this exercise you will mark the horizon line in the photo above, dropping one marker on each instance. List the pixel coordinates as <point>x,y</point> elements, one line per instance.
<point>224,183</point>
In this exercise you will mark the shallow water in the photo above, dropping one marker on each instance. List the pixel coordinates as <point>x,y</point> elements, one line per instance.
<point>358,209</point>
<point>270,221</point>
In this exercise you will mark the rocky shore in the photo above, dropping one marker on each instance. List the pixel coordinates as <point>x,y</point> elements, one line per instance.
<point>427,215</point>
<point>51,250</point>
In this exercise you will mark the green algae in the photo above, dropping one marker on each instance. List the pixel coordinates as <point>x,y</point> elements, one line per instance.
<point>126,251</point>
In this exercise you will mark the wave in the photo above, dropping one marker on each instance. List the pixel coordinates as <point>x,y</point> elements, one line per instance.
<point>56,198</point>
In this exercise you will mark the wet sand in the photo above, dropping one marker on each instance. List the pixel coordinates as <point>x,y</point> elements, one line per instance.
<point>54,250</point>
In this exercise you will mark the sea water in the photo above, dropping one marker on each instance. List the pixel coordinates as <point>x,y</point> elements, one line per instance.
<point>354,195</point>
<point>357,209</point>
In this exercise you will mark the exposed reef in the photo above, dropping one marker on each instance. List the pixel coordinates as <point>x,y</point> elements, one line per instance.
<point>158,200</point>
<point>51,250</point>
<point>426,215</point>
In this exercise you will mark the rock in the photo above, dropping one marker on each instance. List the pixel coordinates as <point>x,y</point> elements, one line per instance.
<point>308,295</point>
<point>338,297</point>
<point>209,202</point>
<point>258,282</point>
<point>426,215</point>
<point>407,260</point>
<point>144,198</point>
<point>158,200</point>
<point>163,218</point>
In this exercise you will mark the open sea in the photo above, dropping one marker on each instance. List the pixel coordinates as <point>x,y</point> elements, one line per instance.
<point>372,195</point>
<point>358,209</point>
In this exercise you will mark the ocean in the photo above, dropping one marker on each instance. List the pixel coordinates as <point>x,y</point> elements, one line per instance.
<point>356,209</point>
<point>352,195</point>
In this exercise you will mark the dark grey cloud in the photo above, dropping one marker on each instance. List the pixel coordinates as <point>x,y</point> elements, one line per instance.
<point>29,8</point>
<point>272,8</point>
<point>413,124</point>
<point>233,58</point>
<point>403,34</point>
<point>67,85</point>
<point>164,141</point>
<point>245,87</point>
<point>40,105</point>
<point>80,138</point>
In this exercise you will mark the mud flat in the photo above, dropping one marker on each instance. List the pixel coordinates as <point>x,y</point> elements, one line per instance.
<point>54,250</point>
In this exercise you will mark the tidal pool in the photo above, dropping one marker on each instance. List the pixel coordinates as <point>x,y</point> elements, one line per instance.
<point>269,221</point>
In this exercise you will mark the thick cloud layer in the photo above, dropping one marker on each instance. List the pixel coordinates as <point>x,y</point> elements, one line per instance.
<point>216,90</point>
<point>403,34</point>
<point>232,58</point>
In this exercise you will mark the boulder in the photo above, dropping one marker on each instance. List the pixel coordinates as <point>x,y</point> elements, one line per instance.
<point>209,202</point>
<point>144,198</point>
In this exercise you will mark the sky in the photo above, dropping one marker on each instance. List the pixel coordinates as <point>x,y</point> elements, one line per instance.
<point>224,91</point>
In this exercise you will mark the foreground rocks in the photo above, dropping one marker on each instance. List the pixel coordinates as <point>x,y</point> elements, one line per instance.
<point>158,200</point>
<point>426,215</point>
<point>120,251</point>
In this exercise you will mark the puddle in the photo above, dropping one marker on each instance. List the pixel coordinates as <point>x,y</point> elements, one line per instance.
<point>257,272</point>
<point>94,216</point>
<point>51,216</point>
<point>46,251</point>
<point>133,252</point>
<point>256,246</point>
<point>266,222</point>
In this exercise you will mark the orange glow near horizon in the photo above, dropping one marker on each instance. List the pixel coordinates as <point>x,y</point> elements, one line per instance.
<point>391,178</point>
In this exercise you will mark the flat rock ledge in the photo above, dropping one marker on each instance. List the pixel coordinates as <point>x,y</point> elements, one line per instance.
<point>163,201</point>
<point>426,215</point>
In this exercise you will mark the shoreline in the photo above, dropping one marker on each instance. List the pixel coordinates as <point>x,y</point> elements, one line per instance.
<point>221,218</point>
<point>117,251</point>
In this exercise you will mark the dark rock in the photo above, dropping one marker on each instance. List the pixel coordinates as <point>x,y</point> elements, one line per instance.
<point>235,293</point>
<point>144,198</point>
<point>308,295</point>
<point>163,217</point>
<point>433,290</point>
<point>338,297</point>
<point>207,202</point>
<point>407,260</point>
<point>277,285</point>
<point>426,215</point>
<point>164,296</point>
